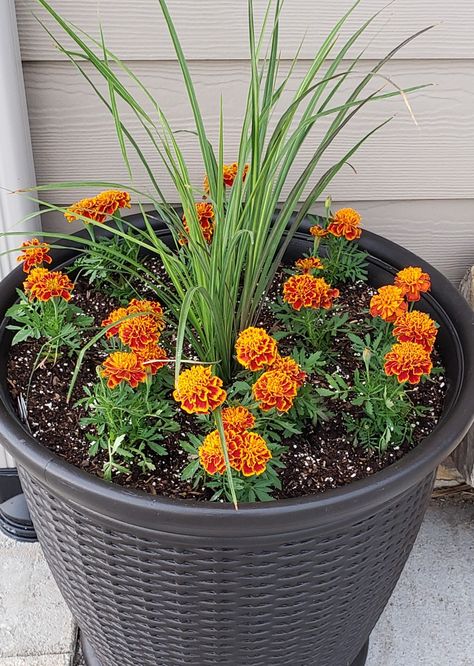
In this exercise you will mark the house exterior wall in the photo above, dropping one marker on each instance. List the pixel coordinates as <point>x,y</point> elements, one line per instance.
<point>411,182</point>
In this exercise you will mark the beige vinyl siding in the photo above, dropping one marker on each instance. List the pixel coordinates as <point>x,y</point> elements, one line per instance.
<point>413,183</point>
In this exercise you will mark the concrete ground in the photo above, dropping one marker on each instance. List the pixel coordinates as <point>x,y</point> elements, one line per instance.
<point>428,622</point>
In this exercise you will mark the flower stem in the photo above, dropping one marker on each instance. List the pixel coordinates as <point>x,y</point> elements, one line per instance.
<point>220,428</point>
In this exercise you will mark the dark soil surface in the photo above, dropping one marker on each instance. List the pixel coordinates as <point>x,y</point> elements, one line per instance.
<point>317,460</point>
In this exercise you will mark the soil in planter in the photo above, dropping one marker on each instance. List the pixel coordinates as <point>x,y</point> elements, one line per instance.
<point>317,460</point>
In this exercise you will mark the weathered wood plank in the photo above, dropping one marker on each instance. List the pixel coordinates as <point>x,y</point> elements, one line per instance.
<point>442,232</point>
<point>218,30</point>
<point>74,138</point>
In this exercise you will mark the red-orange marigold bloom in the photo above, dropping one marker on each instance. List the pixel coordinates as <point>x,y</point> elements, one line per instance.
<point>408,361</point>
<point>308,264</point>
<point>317,231</point>
<point>198,390</point>
<point>140,332</point>
<point>254,454</point>
<point>205,215</point>
<point>238,418</point>
<point>211,454</point>
<point>230,173</point>
<point>115,315</point>
<point>34,253</point>
<point>290,367</point>
<point>413,281</point>
<point>100,207</point>
<point>255,348</point>
<point>153,358</point>
<point>150,307</point>
<point>43,285</point>
<point>123,367</point>
<point>307,291</point>
<point>275,389</point>
<point>345,223</point>
<point>417,327</point>
<point>388,303</point>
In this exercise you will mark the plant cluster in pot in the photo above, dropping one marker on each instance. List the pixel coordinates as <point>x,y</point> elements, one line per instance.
<point>227,416</point>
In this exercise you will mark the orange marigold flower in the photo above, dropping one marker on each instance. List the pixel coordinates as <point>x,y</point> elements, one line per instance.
<point>254,454</point>
<point>115,315</point>
<point>150,307</point>
<point>238,418</point>
<point>211,454</point>
<point>230,173</point>
<point>290,367</point>
<point>123,367</point>
<point>306,291</point>
<point>275,389</point>
<point>308,264</point>
<point>44,285</point>
<point>317,231</point>
<point>413,281</point>
<point>33,254</point>
<point>255,348</point>
<point>409,361</point>
<point>198,390</point>
<point>100,207</point>
<point>140,332</point>
<point>153,358</point>
<point>388,303</point>
<point>417,327</point>
<point>205,215</point>
<point>345,223</point>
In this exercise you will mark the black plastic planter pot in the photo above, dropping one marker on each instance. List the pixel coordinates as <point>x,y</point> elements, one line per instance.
<point>157,582</point>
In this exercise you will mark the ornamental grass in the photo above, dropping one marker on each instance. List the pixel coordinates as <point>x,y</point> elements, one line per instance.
<point>211,332</point>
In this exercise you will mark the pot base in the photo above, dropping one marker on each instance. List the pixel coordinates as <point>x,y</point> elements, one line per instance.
<point>91,659</point>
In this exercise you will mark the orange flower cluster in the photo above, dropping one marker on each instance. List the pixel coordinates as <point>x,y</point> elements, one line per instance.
<point>345,223</point>
<point>229,172</point>
<point>282,377</point>
<point>388,303</point>
<point>198,390</point>
<point>44,285</point>
<point>100,207</point>
<point>238,418</point>
<point>408,361</point>
<point>413,282</point>
<point>248,452</point>
<point>308,264</point>
<point>307,291</point>
<point>205,215</point>
<point>416,327</point>
<point>141,334</point>
<point>34,253</point>
<point>123,367</point>
<point>255,348</point>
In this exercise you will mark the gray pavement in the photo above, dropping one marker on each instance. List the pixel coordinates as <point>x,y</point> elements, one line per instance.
<point>428,622</point>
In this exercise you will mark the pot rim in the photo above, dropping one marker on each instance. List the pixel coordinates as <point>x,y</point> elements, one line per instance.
<point>191,517</point>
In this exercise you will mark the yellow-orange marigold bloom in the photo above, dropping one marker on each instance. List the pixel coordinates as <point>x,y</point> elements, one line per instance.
<point>150,307</point>
<point>153,358</point>
<point>100,207</point>
<point>345,223</point>
<point>123,367</point>
<point>408,361</point>
<point>275,389</point>
<point>238,418</point>
<point>413,281</point>
<point>417,327</point>
<point>290,367</point>
<point>140,332</point>
<point>317,231</point>
<point>307,291</point>
<point>230,173</point>
<point>254,454</point>
<point>308,264</point>
<point>34,253</point>
<point>388,303</point>
<point>211,454</point>
<point>205,215</point>
<point>198,390</point>
<point>255,348</point>
<point>43,285</point>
